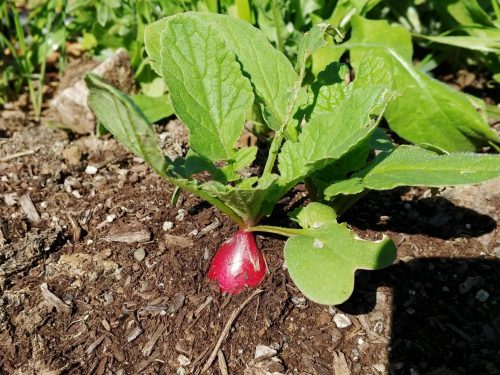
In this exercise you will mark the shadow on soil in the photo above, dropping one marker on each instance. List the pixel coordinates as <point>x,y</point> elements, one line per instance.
<point>436,216</point>
<point>445,315</point>
<point>445,311</point>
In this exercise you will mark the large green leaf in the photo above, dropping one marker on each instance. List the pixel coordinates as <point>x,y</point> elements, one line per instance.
<point>322,260</point>
<point>118,113</point>
<point>414,166</point>
<point>271,73</point>
<point>207,88</point>
<point>354,114</point>
<point>426,110</point>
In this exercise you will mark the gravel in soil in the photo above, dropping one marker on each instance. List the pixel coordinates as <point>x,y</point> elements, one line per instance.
<point>100,274</point>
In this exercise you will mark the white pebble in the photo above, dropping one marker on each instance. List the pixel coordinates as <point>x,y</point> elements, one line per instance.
<point>180,214</point>
<point>342,321</point>
<point>264,352</point>
<point>110,218</point>
<point>91,169</point>
<point>183,360</point>
<point>167,225</point>
<point>76,193</point>
<point>139,255</point>
<point>482,295</point>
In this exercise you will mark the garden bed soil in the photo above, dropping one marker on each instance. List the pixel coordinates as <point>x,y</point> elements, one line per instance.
<point>77,299</point>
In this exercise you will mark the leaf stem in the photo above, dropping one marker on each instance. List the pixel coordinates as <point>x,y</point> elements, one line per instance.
<point>188,186</point>
<point>287,232</point>
<point>273,153</point>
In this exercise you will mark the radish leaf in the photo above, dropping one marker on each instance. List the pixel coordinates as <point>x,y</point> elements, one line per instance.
<point>355,112</point>
<point>414,166</point>
<point>269,70</point>
<point>322,261</point>
<point>444,117</point>
<point>207,89</point>
<point>120,115</point>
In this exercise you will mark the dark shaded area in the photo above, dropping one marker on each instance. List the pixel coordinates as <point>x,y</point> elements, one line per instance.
<point>446,314</point>
<point>435,216</point>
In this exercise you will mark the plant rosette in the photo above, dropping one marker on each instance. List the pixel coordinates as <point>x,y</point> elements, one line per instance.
<point>217,69</point>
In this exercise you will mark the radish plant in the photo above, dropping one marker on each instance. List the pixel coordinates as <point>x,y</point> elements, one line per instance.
<point>216,68</point>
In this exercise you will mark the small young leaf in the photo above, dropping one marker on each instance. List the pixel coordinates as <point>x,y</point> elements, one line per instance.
<point>207,89</point>
<point>249,202</point>
<point>414,166</point>
<point>311,42</point>
<point>118,113</point>
<point>242,159</point>
<point>314,215</point>
<point>322,261</point>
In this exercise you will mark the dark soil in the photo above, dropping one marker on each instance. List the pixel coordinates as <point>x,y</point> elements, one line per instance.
<point>147,307</point>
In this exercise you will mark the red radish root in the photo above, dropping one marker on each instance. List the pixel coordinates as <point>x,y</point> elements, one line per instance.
<point>238,264</point>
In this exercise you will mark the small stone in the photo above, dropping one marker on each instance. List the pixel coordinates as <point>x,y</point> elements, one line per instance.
<point>264,352</point>
<point>299,302</point>
<point>167,225</point>
<point>106,325</point>
<point>72,155</point>
<point>482,295</point>
<point>470,283</point>
<point>410,310</point>
<point>91,169</point>
<point>342,321</point>
<point>10,199</point>
<point>183,360</point>
<point>180,214</point>
<point>110,218</point>
<point>76,194</point>
<point>139,254</point>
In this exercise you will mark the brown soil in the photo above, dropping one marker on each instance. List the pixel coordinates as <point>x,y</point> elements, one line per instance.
<point>147,307</point>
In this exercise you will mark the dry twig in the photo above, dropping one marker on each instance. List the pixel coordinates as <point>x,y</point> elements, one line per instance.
<point>54,300</point>
<point>222,363</point>
<point>227,328</point>
<point>148,348</point>
<point>29,209</point>
<point>18,155</point>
